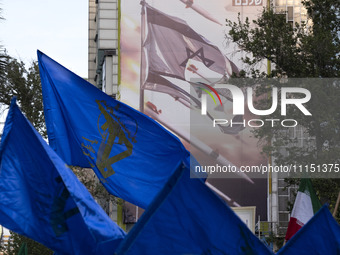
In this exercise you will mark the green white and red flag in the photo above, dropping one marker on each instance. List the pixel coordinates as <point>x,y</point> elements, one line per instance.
<point>305,206</point>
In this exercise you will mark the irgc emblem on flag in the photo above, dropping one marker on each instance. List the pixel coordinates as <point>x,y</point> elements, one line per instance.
<point>114,133</point>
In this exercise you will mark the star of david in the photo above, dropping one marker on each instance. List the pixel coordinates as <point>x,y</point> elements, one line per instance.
<point>200,54</point>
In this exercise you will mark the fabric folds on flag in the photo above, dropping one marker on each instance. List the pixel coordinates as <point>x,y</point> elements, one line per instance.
<point>169,44</point>
<point>132,155</point>
<point>41,198</point>
<point>321,235</point>
<point>305,206</point>
<point>188,218</point>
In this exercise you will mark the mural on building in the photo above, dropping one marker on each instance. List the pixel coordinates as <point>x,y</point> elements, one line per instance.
<point>172,55</point>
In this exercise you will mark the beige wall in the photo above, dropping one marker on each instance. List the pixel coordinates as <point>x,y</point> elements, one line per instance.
<point>103,45</point>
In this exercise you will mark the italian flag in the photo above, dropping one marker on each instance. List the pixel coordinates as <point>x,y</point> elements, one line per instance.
<point>305,206</point>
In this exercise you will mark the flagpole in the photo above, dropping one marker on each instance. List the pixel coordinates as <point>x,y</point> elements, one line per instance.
<point>141,90</point>
<point>270,176</point>
<point>336,205</point>
<point>221,194</point>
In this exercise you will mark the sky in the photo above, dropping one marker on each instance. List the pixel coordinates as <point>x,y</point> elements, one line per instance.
<point>57,28</point>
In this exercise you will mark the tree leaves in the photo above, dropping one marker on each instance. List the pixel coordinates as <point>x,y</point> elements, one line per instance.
<point>24,83</point>
<point>33,247</point>
<point>299,51</point>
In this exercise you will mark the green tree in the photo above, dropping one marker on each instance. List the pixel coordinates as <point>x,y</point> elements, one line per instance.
<point>299,51</point>
<point>91,182</point>
<point>33,247</point>
<point>3,57</point>
<point>24,83</point>
<point>303,50</point>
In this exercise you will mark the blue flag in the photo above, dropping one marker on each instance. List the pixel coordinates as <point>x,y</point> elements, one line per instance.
<point>321,235</point>
<point>132,155</point>
<point>188,218</point>
<point>41,198</point>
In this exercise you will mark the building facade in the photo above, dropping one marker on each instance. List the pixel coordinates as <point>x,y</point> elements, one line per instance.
<point>103,62</point>
<point>293,9</point>
<point>104,72</point>
<point>103,45</point>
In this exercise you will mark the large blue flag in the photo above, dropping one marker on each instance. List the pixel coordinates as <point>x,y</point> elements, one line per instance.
<point>131,154</point>
<point>321,235</point>
<point>188,218</point>
<point>41,198</point>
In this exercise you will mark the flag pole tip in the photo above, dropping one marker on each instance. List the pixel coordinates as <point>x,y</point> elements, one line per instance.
<point>13,101</point>
<point>40,54</point>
